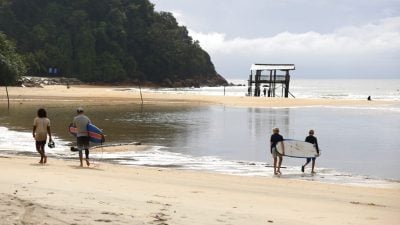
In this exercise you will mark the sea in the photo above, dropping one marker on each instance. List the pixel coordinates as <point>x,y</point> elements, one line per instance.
<point>360,145</point>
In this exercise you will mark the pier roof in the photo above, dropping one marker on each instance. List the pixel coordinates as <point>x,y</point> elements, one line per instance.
<point>258,66</point>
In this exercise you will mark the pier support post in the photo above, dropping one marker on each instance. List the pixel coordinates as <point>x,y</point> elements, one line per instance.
<point>287,81</point>
<point>250,85</point>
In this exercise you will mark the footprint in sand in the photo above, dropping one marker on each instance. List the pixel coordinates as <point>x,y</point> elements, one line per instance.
<point>103,220</point>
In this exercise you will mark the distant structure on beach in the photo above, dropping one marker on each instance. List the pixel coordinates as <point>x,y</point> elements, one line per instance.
<point>265,76</point>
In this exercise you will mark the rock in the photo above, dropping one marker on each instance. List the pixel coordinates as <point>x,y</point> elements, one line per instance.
<point>28,81</point>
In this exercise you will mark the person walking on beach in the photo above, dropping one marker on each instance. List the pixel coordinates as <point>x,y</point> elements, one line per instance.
<point>275,138</point>
<point>82,136</point>
<point>41,128</point>
<point>313,140</point>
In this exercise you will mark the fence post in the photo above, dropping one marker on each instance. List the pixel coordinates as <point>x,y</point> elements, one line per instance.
<point>8,99</point>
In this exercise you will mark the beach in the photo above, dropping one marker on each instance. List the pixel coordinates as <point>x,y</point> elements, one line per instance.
<point>63,193</point>
<point>96,95</point>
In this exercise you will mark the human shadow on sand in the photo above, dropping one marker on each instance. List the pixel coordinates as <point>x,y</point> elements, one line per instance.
<point>86,168</point>
<point>39,164</point>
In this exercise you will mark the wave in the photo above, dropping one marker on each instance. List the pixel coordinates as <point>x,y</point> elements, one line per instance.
<point>328,89</point>
<point>160,157</point>
<point>22,143</point>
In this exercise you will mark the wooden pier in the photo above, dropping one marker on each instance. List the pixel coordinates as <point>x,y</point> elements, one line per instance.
<point>266,77</point>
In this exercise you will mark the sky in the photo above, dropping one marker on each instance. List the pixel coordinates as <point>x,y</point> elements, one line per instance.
<point>323,38</point>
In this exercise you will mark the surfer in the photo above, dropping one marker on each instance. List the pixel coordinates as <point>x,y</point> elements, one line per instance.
<point>41,128</point>
<point>313,140</point>
<point>82,136</point>
<point>275,138</point>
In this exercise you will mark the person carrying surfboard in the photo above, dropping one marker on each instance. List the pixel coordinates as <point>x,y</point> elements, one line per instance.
<point>82,136</point>
<point>275,138</point>
<point>313,140</point>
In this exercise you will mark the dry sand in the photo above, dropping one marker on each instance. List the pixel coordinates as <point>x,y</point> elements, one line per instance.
<point>63,193</point>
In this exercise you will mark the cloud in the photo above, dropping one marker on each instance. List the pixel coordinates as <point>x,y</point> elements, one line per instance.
<point>373,42</point>
<point>382,36</point>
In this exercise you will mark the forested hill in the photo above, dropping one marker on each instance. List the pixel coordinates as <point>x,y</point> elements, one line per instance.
<point>105,41</point>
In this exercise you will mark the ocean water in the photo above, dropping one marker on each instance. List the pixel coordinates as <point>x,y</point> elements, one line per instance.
<point>378,89</point>
<point>360,145</point>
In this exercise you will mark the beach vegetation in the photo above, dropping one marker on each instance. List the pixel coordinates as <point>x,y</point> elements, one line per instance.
<point>11,63</point>
<point>104,41</point>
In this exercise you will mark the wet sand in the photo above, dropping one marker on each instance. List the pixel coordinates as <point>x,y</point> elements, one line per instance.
<point>95,95</point>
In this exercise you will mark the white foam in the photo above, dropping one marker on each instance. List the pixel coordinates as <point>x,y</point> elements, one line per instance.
<point>24,142</point>
<point>159,156</point>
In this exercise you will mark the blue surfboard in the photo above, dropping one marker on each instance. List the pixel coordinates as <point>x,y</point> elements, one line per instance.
<point>96,134</point>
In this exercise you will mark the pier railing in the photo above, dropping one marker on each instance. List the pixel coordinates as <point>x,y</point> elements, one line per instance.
<point>267,79</point>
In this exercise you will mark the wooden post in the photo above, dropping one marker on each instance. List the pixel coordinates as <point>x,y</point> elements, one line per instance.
<point>273,90</point>
<point>270,84</point>
<point>257,86</point>
<point>8,99</point>
<point>140,90</point>
<point>250,84</point>
<point>255,83</point>
<point>287,80</point>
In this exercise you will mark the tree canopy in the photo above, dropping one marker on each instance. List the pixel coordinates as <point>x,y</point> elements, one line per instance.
<point>104,41</point>
<point>11,64</point>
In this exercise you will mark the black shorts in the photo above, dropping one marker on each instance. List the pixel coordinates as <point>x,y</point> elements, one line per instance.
<point>82,142</point>
<point>309,159</point>
<point>40,143</point>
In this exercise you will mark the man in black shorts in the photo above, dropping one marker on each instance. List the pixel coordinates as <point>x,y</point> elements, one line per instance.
<point>82,136</point>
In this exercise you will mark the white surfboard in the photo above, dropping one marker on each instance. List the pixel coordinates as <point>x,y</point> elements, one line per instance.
<point>297,149</point>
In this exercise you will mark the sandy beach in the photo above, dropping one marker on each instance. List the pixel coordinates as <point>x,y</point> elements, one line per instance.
<point>95,95</point>
<point>61,192</point>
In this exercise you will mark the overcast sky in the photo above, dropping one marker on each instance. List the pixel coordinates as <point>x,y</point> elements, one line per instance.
<point>323,38</point>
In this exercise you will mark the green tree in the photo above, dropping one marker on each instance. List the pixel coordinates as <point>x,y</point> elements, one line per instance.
<point>11,63</point>
<point>109,69</point>
<point>104,40</point>
<point>85,55</point>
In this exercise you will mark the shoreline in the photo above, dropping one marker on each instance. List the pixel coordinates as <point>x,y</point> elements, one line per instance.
<point>63,193</point>
<point>57,96</point>
<point>110,96</point>
<point>150,158</point>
